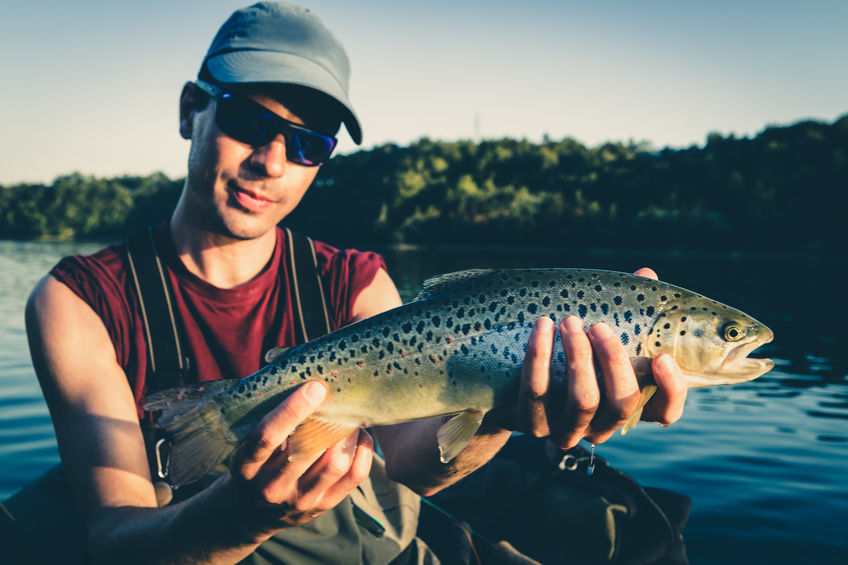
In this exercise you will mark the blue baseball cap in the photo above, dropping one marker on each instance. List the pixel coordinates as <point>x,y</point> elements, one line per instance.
<point>280,43</point>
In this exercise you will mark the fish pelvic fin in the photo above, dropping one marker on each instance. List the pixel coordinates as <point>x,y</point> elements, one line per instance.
<point>647,392</point>
<point>454,435</point>
<point>316,434</point>
<point>200,436</point>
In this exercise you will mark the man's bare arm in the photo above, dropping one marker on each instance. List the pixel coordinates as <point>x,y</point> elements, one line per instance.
<point>103,453</point>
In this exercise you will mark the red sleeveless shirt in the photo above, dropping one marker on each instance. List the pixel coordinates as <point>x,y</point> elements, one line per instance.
<point>227,331</point>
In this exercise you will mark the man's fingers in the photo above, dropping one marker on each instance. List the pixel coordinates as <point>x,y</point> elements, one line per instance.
<point>621,388</point>
<point>646,272</point>
<point>357,471</point>
<point>270,434</point>
<point>666,406</point>
<point>583,394</point>
<point>535,379</point>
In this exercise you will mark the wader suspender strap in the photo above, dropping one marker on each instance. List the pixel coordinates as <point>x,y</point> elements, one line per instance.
<point>167,360</point>
<point>311,318</point>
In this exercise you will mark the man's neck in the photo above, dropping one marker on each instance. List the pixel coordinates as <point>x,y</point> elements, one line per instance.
<point>221,261</point>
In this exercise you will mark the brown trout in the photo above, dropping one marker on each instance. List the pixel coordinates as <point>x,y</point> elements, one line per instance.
<point>457,349</point>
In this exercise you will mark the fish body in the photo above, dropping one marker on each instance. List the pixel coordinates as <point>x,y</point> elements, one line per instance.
<point>457,349</point>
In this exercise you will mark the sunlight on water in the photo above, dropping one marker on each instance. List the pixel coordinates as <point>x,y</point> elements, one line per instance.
<point>763,462</point>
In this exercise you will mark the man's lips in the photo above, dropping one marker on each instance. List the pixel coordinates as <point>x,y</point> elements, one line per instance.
<point>249,200</point>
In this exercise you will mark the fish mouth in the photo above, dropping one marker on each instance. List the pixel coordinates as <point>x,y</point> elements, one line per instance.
<point>737,367</point>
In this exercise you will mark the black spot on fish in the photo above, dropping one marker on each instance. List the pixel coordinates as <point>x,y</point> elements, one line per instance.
<point>429,336</point>
<point>637,329</point>
<point>487,323</point>
<point>504,292</point>
<point>390,347</point>
<point>566,307</point>
<point>466,328</point>
<point>617,300</point>
<point>580,294</point>
<point>477,326</point>
<point>564,293</point>
<point>546,301</point>
<point>666,325</point>
<point>605,308</point>
<point>598,288</point>
<point>640,297</point>
<point>683,332</point>
<point>464,349</point>
<point>437,321</point>
<point>406,327</point>
<point>593,307</point>
<point>510,299</point>
<point>493,306</point>
<point>534,284</point>
<point>460,313</point>
<point>625,339</point>
<point>381,354</point>
<point>386,331</point>
<point>522,292</point>
<point>650,311</point>
<point>663,298</point>
<point>582,310</point>
<point>532,307</point>
<point>628,316</point>
<point>657,343</point>
<point>683,319</point>
<point>633,287</point>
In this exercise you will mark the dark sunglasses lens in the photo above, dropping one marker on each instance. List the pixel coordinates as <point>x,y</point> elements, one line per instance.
<point>250,123</point>
<point>244,121</point>
<point>309,148</point>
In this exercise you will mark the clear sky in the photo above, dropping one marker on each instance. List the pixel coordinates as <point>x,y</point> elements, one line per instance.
<point>92,86</point>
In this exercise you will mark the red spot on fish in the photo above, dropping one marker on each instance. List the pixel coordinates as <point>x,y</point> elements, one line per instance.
<point>433,358</point>
<point>448,339</point>
<point>403,353</point>
<point>361,363</point>
<point>335,373</point>
<point>259,395</point>
<point>292,383</point>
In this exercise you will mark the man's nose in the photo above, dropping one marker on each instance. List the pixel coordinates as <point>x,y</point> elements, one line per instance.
<point>270,159</point>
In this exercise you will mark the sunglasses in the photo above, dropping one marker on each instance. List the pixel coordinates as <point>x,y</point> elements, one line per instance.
<point>252,123</point>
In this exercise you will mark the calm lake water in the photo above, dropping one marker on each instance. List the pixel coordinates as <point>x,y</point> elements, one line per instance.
<point>763,462</point>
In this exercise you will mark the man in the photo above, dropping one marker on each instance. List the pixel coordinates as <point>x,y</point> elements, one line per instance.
<point>271,93</point>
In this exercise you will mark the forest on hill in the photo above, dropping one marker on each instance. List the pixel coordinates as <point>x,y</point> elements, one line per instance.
<point>785,188</point>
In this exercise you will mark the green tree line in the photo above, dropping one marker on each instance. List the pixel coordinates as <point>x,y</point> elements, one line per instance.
<point>784,188</point>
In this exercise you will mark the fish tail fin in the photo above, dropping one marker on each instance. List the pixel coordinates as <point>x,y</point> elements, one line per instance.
<point>200,436</point>
<point>631,422</point>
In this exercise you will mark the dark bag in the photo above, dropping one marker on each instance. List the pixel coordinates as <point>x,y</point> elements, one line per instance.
<point>558,508</point>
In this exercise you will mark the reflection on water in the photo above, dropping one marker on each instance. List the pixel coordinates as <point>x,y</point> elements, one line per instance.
<point>763,461</point>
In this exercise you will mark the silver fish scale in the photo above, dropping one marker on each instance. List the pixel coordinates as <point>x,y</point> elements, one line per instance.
<point>462,343</point>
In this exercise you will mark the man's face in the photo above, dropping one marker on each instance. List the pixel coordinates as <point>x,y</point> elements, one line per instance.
<point>236,190</point>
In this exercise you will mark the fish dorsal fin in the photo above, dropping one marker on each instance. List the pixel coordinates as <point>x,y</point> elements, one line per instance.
<point>441,283</point>
<point>455,434</point>
<point>315,435</point>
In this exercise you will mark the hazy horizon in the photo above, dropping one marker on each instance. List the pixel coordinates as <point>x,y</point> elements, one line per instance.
<point>93,86</point>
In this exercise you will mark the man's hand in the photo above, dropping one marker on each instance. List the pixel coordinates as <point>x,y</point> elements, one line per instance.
<point>286,493</point>
<point>576,410</point>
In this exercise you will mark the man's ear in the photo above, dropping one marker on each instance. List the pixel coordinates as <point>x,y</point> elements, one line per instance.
<point>192,99</point>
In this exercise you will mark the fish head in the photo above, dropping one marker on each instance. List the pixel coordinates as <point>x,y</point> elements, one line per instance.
<point>710,341</point>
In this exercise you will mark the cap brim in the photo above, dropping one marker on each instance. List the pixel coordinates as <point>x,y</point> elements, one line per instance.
<point>283,68</point>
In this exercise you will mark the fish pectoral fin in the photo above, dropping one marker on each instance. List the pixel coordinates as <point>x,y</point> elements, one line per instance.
<point>631,422</point>
<point>314,435</point>
<point>455,434</point>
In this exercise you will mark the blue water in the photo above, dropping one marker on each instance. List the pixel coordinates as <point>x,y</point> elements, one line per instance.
<point>764,463</point>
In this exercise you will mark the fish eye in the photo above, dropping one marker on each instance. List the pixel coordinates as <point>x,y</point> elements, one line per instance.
<point>732,332</point>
